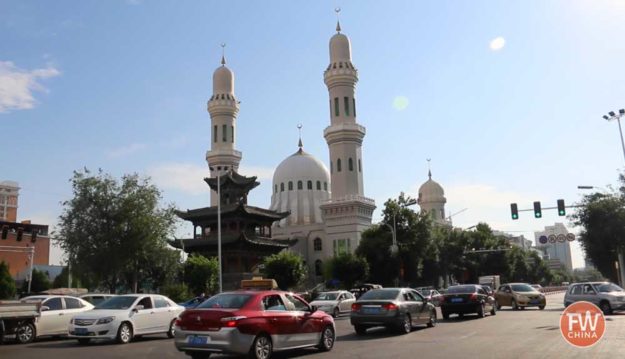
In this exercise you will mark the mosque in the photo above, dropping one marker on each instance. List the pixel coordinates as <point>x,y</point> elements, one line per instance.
<point>320,213</point>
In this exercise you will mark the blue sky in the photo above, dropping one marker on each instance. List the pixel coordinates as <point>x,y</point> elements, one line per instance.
<point>505,97</point>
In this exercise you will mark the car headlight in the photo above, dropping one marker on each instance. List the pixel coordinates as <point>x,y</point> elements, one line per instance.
<point>105,320</point>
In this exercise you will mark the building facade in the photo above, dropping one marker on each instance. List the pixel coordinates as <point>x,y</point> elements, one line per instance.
<point>21,239</point>
<point>9,194</point>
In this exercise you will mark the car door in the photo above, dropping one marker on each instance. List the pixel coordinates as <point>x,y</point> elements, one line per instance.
<point>488,303</point>
<point>53,320</point>
<point>308,328</point>
<point>589,294</point>
<point>503,295</point>
<point>279,320</point>
<point>74,306</point>
<point>423,314</point>
<point>346,304</point>
<point>143,319</point>
<point>410,305</point>
<point>574,294</point>
<point>163,313</point>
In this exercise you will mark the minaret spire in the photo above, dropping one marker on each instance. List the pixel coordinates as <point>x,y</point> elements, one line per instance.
<point>223,54</point>
<point>429,169</point>
<point>299,144</point>
<point>338,23</point>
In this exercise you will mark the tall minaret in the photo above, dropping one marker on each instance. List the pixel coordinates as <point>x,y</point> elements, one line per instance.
<point>344,136</point>
<point>223,108</point>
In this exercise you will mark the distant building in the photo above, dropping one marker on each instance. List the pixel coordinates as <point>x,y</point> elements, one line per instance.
<point>432,201</point>
<point>20,237</point>
<point>9,193</point>
<point>557,246</point>
<point>588,264</point>
<point>519,241</point>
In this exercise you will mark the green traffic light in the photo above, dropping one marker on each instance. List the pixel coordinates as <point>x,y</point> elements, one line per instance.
<point>561,213</point>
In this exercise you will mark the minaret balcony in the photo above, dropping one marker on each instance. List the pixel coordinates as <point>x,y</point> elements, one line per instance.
<point>345,132</point>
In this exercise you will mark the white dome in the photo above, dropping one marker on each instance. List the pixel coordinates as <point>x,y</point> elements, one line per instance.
<point>431,191</point>
<point>223,81</point>
<point>340,48</point>
<point>301,183</point>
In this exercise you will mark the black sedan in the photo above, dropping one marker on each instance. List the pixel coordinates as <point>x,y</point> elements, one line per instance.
<point>466,299</point>
<point>398,309</point>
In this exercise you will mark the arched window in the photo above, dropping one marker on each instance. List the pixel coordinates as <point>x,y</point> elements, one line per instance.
<point>215,133</point>
<point>325,186</point>
<point>317,244</point>
<point>275,189</point>
<point>354,103</point>
<point>300,185</point>
<point>350,164</point>
<point>309,184</point>
<point>318,267</point>
<point>281,187</point>
<point>359,166</point>
<point>346,104</point>
<point>318,185</point>
<point>224,133</point>
<point>338,165</point>
<point>232,134</point>
<point>336,106</point>
<point>290,185</point>
<point>331,167</point>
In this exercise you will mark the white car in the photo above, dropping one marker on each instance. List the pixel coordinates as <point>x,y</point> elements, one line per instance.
<point>56,312</point>
<point>334,303</point>
<point>125,316</point>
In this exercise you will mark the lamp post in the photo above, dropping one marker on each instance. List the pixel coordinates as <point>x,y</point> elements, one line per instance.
<point>219,227</point>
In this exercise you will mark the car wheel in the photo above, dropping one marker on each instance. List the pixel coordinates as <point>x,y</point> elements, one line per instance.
<point>513,304</point>
<point>327,339</point>
<point>605,308</point>
<point>432,322</point>
<point>541,307</point>
<point>84,341</point>
<point>172,329</point>
<point>445,315</point>
<point>406,325</point>
<point>481,311</point>
<point>493,311</point>
<point>124,333</point>
<point>262,348</point>
<point>335,313</point>
<point>360,329</point>
<point>460,315</point>
<point>25,333</point>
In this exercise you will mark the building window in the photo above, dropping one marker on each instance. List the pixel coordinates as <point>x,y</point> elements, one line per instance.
<point>232,134</point>
<point>317,244</point>
<point>318,267</point>
<point>318,185</point>
<point>341,246</point>
<point>336,106</point>
<point>354,106</point>
<point>325,186</point>
<point>300,185</point>
<point>290,185</point>
<point>281,187</point>
<point>346,104</point>
<point>224,134</point>
<point>309,184</point>
<point>359,166</point>
<point>338,165</point>
<point>331,167</point>
<point>275,189</point>
<point>215,133</point>
<point>350,164</point>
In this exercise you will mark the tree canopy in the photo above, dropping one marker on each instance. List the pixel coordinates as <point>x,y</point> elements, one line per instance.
<point>7,284</point>
<point>201,274</point>
<point>287,268</point>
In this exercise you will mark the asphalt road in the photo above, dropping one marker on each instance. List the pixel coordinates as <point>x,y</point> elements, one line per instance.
<point>529,333</point>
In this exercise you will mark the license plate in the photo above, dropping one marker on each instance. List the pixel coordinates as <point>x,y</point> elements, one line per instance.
<point>81,331</point>
<point>197,339</point>
<point>534,301</point>
<point>457,300</point>
<point>371,310</point>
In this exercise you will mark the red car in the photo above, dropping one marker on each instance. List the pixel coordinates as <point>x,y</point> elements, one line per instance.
<point>253,322</point>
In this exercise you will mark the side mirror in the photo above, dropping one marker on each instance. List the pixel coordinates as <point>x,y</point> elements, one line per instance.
<point>44,308</point>
<point>313,308</point>
<point>138,308</point>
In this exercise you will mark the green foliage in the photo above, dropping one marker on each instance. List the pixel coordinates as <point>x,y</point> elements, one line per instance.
<point>178,292</point>
<point>587,275</point>
<point>287,268</point>
<point>40,282</point>
<point>602,218</point>
<point>7,284</point>
<point>201,274</point>
<point>113,231</point>
<point>349,269</point>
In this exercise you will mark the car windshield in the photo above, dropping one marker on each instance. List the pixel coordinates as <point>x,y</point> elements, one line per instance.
<point>121,302</point>
<point>461,289</point>
<point>228,301</point>
<point>327,296</point>
<point>424,292</point>
<point>522,288</point>
<point>608,287</point>
<point>384,294</point>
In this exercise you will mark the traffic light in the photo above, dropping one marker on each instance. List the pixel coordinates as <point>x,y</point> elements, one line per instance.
<point>537,210</point>
<point>515,211</point>
<point>5,231</point>
<point>561,208</point>
<point>20,232</point>
<point>33,235</point>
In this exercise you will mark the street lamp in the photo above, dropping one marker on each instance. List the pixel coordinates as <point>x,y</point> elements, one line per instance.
<point>219,226</point>
<point>394,247</point>
<point>611,116</point>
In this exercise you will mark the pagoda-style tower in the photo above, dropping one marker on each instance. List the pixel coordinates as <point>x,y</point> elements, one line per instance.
<point>245,230</point>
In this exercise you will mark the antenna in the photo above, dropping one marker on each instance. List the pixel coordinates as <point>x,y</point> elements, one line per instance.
<point>223,54</point>
<point>338,24</point>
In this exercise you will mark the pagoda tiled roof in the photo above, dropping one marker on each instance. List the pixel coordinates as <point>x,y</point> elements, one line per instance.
<point>232,177</point>
<point>229,240</point>
<point>231,209</point>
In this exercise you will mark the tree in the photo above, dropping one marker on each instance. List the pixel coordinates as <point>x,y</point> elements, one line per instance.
<point>287,268</point>
<point>349,269</point>
<point>7,284</point>
<point>40,282</point>
<point>201,274</point>
<point>602,218</point>
<point>111,229</point>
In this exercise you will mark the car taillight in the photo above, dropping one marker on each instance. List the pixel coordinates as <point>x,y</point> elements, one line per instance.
<point>389,306</point>
<point>473,297</point>
<point>356,307</point>
<point>178,322</point>
<point>230,322</point>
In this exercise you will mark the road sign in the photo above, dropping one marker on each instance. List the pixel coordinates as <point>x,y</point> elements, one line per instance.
<point>552,238</point>
<point>570,236</point>
<point>543,239</point>
<point>561,238</point>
